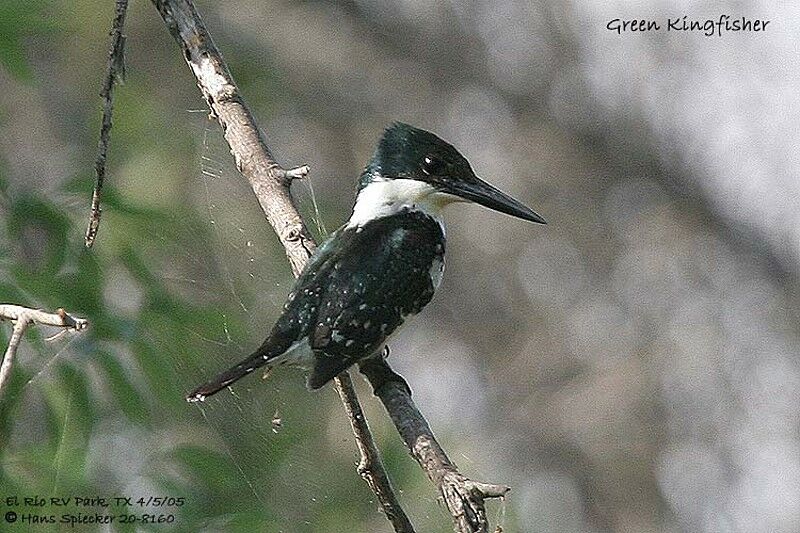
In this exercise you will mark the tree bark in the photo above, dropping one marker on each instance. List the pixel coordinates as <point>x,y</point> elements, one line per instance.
<point>115,71</point>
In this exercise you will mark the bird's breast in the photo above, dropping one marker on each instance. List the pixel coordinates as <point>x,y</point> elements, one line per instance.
<point>363,283</point>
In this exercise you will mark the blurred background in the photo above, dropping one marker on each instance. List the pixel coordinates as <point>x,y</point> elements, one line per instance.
<point>630,367</point>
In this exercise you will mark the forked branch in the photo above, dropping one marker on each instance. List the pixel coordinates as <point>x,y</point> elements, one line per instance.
<point>22,317</point>
<point>463,497</point>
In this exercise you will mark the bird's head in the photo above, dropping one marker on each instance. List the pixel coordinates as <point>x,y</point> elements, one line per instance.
<point>416,167</point>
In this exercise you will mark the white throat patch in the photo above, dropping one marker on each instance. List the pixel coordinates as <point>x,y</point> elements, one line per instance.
<point>386,197</point>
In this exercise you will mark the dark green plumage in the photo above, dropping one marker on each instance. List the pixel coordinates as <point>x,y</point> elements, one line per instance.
<point>411,153</point>
<point>359,287</point>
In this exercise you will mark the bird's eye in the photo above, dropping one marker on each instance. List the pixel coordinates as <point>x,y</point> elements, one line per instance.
<point>432,165</point>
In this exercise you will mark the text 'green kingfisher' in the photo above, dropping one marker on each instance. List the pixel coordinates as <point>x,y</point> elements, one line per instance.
<point>381,267</point>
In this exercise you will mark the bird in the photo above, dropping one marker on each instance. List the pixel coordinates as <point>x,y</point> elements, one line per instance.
<point>380,268</point>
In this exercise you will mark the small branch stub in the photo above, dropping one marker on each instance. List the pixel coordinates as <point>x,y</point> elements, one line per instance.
<point>465,500</point>
<point>296,173</point>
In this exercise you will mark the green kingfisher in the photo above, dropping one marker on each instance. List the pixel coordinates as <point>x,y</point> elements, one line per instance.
<point>380,268</point>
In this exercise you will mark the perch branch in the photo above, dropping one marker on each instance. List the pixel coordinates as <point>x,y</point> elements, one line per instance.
<point>114,72</point>
<point>270,183</point>
<point>22,317</point>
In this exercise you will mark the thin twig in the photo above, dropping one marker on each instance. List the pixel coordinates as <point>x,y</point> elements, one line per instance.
<point>271,183</point>
<point>115,72</point>
<point>375,478</point>
<point>11,351</point>
<point>22,317</point>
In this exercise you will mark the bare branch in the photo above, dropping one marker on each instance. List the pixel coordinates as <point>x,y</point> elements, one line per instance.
<point>270,183</point>
<point>22,317</point>
<point>114,72</point>
<point>60,318</point>
<point>11,352</point>
<point>253,159</point>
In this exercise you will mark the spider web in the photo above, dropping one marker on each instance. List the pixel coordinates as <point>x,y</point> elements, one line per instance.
<point>284,441</point>
<point>259,424</point>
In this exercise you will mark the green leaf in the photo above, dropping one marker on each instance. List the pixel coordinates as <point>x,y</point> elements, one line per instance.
<point>18,20</point>
<point>130,401</point>
<point>40,230</point>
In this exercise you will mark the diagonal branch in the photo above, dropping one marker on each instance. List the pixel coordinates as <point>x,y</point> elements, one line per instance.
<point>464,498</point>
<point>271,182</point>
<point>377,479</point>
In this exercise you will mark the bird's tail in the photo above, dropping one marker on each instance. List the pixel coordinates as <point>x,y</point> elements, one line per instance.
<point>258,359</point>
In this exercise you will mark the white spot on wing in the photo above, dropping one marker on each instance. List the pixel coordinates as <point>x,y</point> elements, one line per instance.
<point>398,235</point>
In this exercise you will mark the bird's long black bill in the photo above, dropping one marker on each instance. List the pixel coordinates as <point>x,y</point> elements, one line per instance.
<point>480,192</point>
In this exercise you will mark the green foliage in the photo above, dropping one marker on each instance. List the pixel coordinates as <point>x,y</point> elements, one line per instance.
<point>18,20</point>
<point>128,398</point>
<point>30,215</point>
